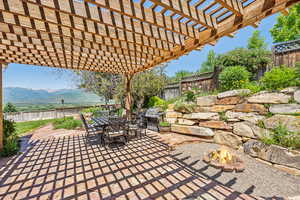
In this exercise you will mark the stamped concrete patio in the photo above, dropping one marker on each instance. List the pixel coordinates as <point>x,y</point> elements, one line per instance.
<point>76,167</point>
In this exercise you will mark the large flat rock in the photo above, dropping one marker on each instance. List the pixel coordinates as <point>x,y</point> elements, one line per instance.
<point>186,122</point>
<point>227,138</point>
<point>250,130</point>
<point>173,114</point>
<point>206,100</point>
<point>292,123</point>
<point>297,96</point>
<point>250,107</point>
<point>202,116</point>
<point>285,108</point>
<point>215,124</point>
<point>272,98</point>
<point>233,93</point>
<point>240,116</point>
<point>273,153</point>
<point>229,100</point>
<point>192,130</point>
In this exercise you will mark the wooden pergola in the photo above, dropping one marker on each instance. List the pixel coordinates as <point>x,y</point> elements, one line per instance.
<point>119,36</point>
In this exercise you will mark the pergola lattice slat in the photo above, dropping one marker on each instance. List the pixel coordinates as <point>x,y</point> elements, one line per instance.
<point>121,36</point>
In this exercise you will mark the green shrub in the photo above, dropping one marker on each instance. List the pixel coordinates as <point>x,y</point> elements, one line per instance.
<point>254,87</point>
<point>184,107</point>
<point>92,110</point>
<point>9,107</point>
<point>155,101</point>
<point>279,78</point>
<point>67,123</point>
<point>189,96</point>
<point>10,139</point>
<point>233,78</point>
<point>164,124</point>
<point>281,136</point>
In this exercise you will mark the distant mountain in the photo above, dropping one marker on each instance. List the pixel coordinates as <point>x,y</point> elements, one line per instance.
<point>30,96</point>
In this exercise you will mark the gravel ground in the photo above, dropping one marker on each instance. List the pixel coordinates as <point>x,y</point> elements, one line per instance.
<point>258,179</point>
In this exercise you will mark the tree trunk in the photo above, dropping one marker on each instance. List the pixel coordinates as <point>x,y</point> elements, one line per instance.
<point>128,97</point>
<point>140,104</point>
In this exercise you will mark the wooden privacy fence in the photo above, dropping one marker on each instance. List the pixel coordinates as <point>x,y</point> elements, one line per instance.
<point>205,82</point>
<point>286,53</point>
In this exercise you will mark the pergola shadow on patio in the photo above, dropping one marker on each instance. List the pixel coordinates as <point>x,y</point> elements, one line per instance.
<point>76,167</point>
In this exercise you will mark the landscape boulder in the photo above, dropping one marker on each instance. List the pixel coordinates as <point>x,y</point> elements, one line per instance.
<point>233,93</point>
<point>206,100</point>
<point>269,98</point>
<point>227,138</point>
<point>186,122</point>
<point>192,130</point>
<point>215,124</point>
<point>292,123</point>
<point>202,116</point>
<point>249,107</point>
<point>273,153</point>
<point>171,120</point>
<point>250,130</point>
<point>285,108</point>
<point>297,96</point>
<point>289,90</point>
<point>173,114</point>
<point>217,108</point>
<point>240,116</point>
<point>229,100</point>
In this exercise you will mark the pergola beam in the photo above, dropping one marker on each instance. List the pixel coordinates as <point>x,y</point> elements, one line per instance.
<point>234,6</point>
<point>253,13</point>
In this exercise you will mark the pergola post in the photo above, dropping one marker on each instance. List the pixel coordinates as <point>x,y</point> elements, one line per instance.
<point>2,64</point>
<point>128,96</point>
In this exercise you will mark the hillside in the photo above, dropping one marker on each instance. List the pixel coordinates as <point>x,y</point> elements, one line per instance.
<point>18,95</point>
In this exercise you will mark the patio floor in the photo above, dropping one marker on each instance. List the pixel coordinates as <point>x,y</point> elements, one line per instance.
<point>76,167</point>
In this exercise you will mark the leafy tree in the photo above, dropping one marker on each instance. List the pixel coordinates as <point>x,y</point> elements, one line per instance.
<point>144,85</point>
<point>287,27</point>
<point>209,64</point>
<point>252,59</point>
<point>256,41</point>
<point>9,107</point>
<point>102,84</point>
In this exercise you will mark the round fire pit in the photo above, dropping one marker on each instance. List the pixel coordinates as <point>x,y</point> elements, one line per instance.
<point>225,160</point>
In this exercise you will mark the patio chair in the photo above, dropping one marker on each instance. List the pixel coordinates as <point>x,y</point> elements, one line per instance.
<point>92,128</point>
<point>116,130</point>
<point>137,126</point>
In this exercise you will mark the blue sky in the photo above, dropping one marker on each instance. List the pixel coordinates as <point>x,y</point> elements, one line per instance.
<point>36,77</point>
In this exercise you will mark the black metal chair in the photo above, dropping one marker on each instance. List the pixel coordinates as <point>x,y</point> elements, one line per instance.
<point>137,126</point>
<point>92,128</point>
<point>116,130</point>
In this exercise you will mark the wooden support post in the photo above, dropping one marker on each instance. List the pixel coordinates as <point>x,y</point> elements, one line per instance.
<point>128,98</point>
<point>1,112</point>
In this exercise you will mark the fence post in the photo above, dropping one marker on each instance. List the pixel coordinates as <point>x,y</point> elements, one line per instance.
<point>215,78</point>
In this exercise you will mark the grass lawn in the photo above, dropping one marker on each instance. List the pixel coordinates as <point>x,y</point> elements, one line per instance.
<point>25,127</point>
<point>66,123</point>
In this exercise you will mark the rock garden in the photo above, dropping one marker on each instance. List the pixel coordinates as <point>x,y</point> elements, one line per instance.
<point>265,125</point>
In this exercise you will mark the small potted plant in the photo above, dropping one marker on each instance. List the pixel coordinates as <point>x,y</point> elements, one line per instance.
<point>164,127</point>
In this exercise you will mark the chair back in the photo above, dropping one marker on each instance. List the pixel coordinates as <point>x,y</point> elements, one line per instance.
<point>84,122</point>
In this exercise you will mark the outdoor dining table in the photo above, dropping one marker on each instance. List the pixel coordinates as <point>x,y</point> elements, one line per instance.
<point>102,122</point>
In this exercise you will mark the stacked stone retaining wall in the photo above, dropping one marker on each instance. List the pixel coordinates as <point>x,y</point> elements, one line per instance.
<point>240,120</point>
